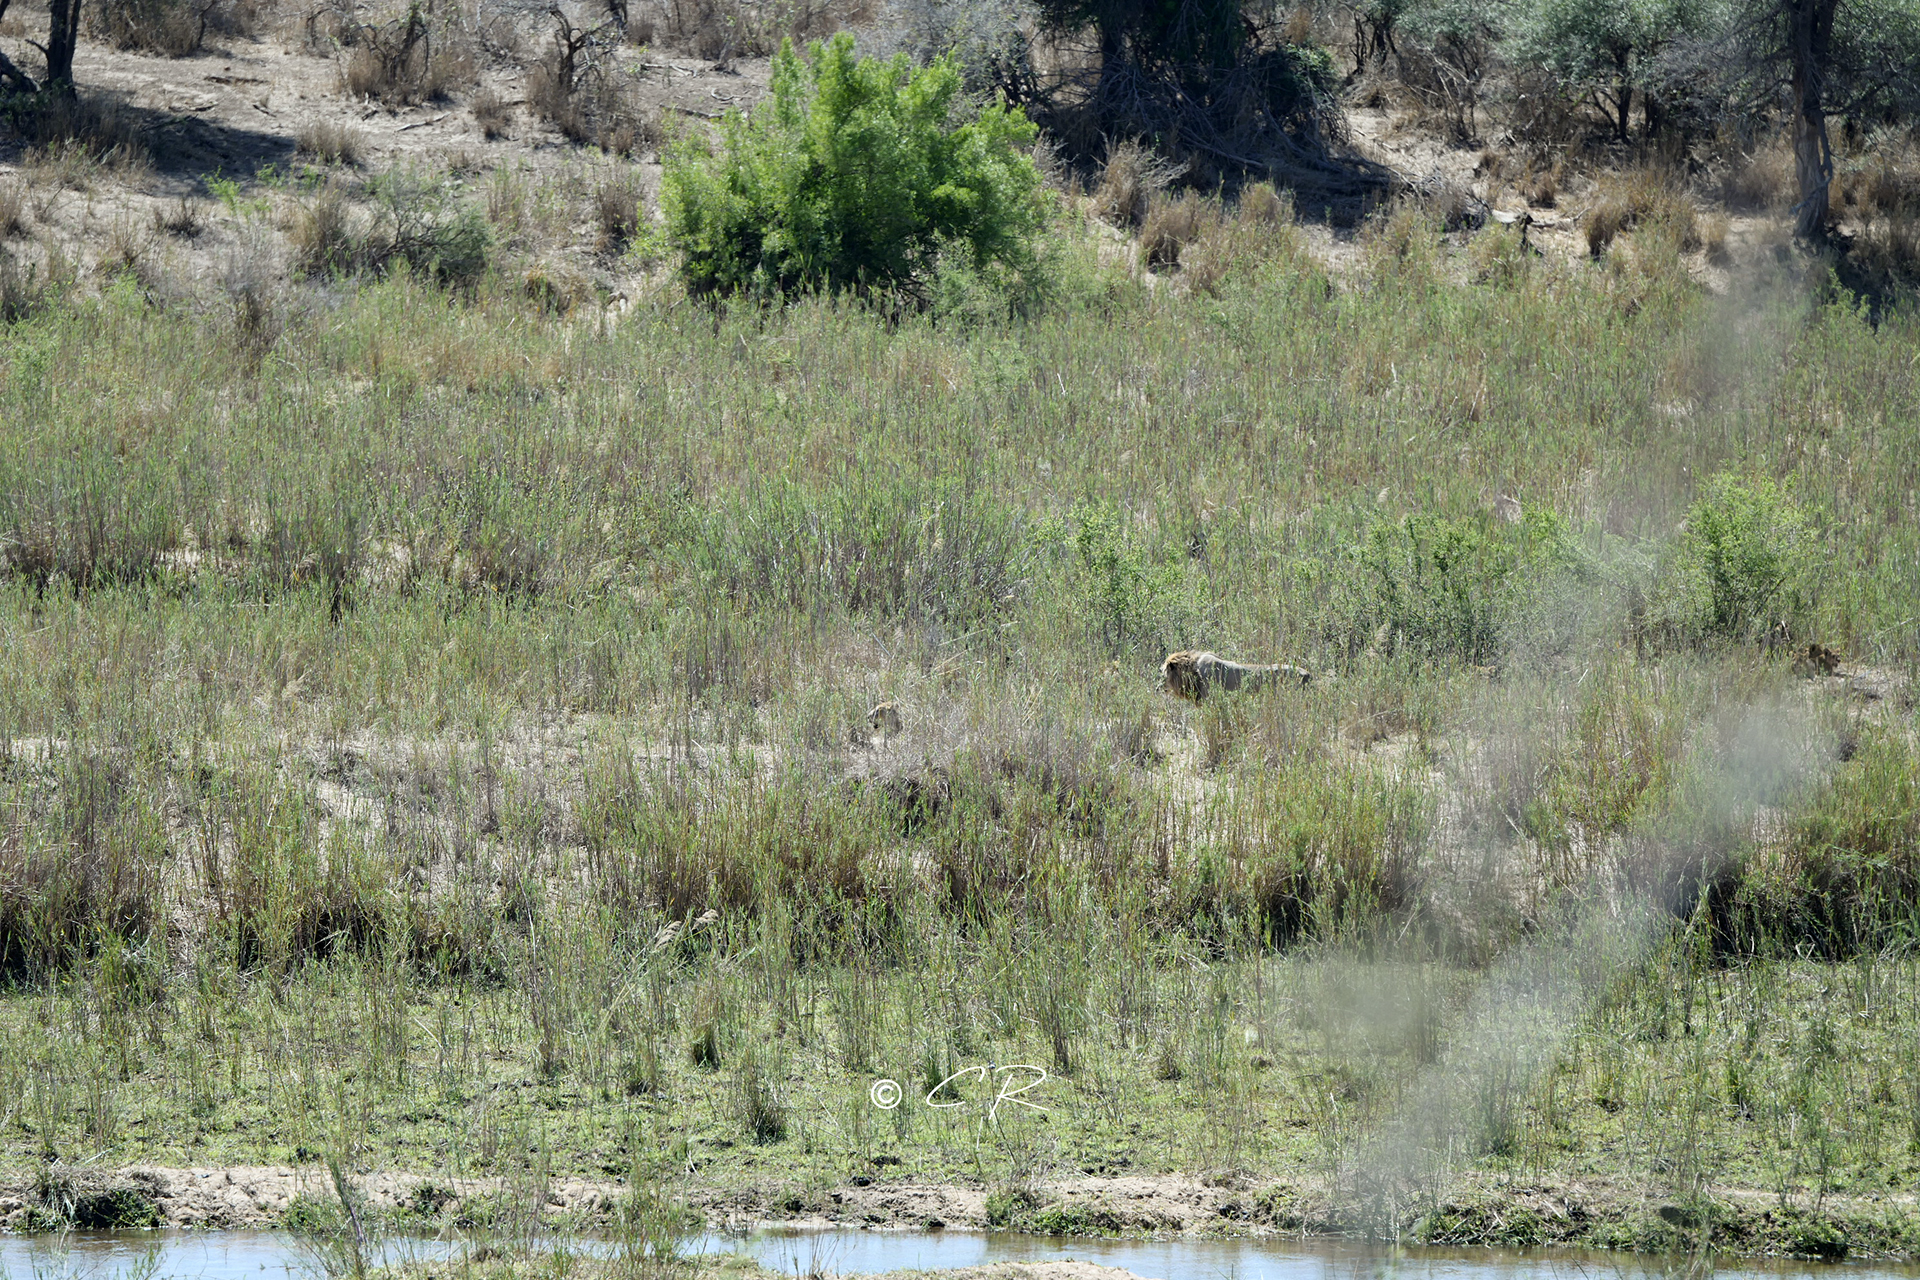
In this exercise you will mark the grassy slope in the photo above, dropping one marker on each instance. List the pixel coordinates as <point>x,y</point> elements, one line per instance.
<point>420,670</point>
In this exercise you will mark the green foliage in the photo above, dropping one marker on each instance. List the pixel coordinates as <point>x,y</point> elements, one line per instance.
<point>1811,1235</point>
<point>1849,880</point>
<point>1449,590</point>
<point>429,227</point>
<point>1010,1205</point>
<point>854,176</point>
<point>1120,595</point>
<point>419,220</point>
<point>1601,47</point>
<point>1750,548</point>
<point>115,1209</point>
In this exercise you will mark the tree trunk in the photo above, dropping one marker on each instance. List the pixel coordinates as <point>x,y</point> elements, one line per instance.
<point>1809,44</point>
<point>63,34</point>
<point>1624,96</point>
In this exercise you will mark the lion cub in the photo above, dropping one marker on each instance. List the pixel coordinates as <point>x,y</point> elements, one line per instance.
<point>884,721</point>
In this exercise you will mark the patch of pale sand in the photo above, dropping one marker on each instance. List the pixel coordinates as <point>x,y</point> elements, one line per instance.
<point>1062,1270</point>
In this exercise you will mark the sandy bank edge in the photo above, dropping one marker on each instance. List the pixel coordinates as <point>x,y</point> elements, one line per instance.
<point>1483,1211</point>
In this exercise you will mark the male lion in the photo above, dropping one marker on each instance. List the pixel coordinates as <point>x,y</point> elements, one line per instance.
<point>1190,673</point>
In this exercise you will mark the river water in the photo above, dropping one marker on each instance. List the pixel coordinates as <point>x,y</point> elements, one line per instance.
<point>222,1255</point>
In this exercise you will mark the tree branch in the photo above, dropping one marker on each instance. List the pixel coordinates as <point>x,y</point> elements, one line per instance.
<point>13,77</point>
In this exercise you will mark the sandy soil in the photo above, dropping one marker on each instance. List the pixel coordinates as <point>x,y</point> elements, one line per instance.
<point>258,1196</point>
<point>238,109</point>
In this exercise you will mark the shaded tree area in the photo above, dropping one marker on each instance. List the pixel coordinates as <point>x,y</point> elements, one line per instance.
<point>1852,59</point>
<point>1688,71</point>
<point>1602,49</point>
<point>1226,88</point>
<point>1797,64</point>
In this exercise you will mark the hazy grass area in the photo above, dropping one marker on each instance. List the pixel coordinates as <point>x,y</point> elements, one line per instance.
<point>431,738</point>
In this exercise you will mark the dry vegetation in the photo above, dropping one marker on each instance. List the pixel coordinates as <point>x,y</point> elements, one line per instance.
<point>434,656</point>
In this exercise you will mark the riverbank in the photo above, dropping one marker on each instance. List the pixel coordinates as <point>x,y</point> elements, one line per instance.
<point>1484,1212</point>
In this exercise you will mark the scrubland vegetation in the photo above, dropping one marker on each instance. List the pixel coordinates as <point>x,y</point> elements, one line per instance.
<point>432,698</point>
<point>433,744</point>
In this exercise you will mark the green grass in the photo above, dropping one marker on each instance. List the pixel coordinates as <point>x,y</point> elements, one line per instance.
<point>381,716</point>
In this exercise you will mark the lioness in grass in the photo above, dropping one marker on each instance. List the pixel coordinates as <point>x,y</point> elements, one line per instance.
<point>1190,673</point>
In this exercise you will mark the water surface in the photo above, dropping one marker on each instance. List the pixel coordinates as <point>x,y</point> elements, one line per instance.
<point>227,1255</point>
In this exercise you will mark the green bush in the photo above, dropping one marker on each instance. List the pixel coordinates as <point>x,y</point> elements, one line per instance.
<point>854,176</point>
<point>1127,602</point>
<point>884,551</point>
<point>1847,881</point>
<point>1440,589</point>
<point>1748,548</point>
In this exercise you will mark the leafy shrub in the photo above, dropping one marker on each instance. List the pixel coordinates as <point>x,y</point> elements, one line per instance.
<point>115,1209</point>
<point>1442,590</point>
<point>422,221</point>
<point>1847,880</point>
<point>1600,49</point>
<point>1747,554</point>
<point>854,176</point>
<point>1119,594</point>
